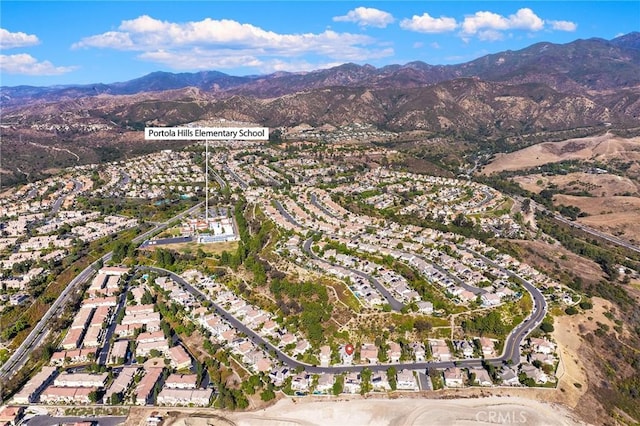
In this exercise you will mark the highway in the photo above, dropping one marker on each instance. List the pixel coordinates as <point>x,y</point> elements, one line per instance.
<point>35,337</point>
<point>615,240</point>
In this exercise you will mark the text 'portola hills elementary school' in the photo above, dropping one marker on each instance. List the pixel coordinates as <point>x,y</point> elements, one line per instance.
<point>210,133</point>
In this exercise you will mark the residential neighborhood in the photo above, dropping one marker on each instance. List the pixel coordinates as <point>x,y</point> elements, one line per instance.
<point>129,341</point>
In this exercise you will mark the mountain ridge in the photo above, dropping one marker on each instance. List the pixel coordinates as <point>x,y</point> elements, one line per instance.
<point>578,66</point>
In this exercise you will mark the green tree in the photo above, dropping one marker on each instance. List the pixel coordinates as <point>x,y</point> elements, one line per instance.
<point>338,385</point>
<point>391,377</point>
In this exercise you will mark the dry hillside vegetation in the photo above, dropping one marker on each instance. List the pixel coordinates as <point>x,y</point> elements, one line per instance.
<point>602,148</point>
<point>614,215</point>
<point>598,185</point>
<point>557,260</point>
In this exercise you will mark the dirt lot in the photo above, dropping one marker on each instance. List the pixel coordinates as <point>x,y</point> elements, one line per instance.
<point>604,185</point>
<point>614,215</point>
<point>603,148</point>
<point>377,411</point>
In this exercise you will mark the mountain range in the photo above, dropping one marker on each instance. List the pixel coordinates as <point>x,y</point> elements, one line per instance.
<point>544,87</point>
<point>593,64</point>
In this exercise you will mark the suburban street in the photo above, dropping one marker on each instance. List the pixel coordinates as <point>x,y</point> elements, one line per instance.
<point>395,304</point>
<point>511,351</point>
<point>35,337</point>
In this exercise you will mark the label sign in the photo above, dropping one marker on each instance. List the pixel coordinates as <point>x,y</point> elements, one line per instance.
<point>209,133</point>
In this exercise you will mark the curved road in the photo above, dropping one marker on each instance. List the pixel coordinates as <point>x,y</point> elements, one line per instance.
<point>511,352</point>
<point>531,322</point>
<point>21,355</point>
<point>318,204</point>
<point>237,178</point>
<point>474,290</point>
<point>511,349</point>
<point>286,214</point>
<point>395,304</point>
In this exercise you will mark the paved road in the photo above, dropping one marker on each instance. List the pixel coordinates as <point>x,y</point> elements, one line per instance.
<point>286,214</point>
<point>55,421</point>
<point>318,204</point>
<point>473,289</point>
<point>237,178</point>
<point>511,351</point>
<point>35,337</point>
<point>104,351</point>
<point>218,178</point>
<point>395,304</point>
<point>578,225</point>
<point>77,187</point>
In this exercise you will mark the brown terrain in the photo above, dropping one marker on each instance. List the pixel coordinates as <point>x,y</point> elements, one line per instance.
<point>602,148</point>
<point>556,260</point>
<point>614,215</point>
<point>356,410</point>
<point>598,185</point>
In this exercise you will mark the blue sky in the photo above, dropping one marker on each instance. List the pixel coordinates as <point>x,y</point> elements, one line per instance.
<point>80,42</point>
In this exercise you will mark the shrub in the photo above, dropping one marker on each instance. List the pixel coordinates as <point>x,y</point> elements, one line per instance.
<point>571,310</point>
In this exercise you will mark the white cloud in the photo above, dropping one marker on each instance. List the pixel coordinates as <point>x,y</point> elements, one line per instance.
<point>26,64</point>
<point>427,24</point>
<point>490,35</point>
<point>201,59</point>
<point>228,44</point>
<point>525,19</point>
<point>486,25</point>
<point>110,39</point>
<point>366,16</point>
<point>481,20</point>
<point>563,25</point>
<point>435,45</point>
<point>197,59</point>
<point>9,40</point>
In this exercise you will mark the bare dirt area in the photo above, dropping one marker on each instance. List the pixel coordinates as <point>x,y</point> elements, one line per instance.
<point>577,370</point>
<point>549,257</point>
<point>614,215</point>
<point>602,148</point>
<point>374,411</point>
<point>598,185</point>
